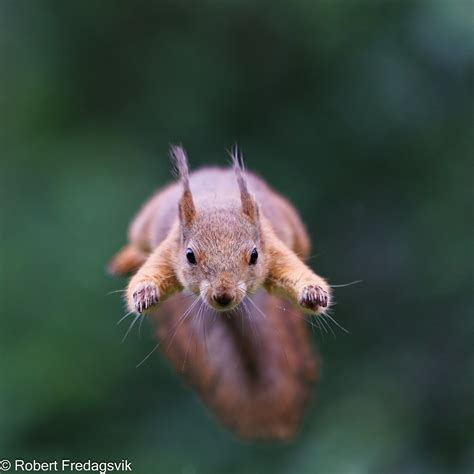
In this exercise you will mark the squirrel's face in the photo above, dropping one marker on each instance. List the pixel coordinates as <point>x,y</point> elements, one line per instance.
<point>221,258</point>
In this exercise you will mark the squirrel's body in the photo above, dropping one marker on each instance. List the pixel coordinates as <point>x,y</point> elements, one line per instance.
<point>227,240</point>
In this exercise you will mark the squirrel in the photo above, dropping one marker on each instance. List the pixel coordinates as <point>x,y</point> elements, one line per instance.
<point>223,235</point>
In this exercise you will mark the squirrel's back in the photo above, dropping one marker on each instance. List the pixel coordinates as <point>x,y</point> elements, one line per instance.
<point>217,187</point>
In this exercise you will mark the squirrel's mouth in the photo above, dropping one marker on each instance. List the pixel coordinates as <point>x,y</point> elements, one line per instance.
<point>222,298</point>
<point>223,302</point>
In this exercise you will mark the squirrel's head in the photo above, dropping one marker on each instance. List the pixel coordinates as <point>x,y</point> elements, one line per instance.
<point>221,254</point>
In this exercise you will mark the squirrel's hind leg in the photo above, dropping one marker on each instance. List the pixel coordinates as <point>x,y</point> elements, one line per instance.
<point>156,279</point>
<point>127,260</point>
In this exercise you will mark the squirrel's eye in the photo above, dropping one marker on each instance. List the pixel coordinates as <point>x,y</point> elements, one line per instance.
<point>253,257</point>
<point>190,256</point>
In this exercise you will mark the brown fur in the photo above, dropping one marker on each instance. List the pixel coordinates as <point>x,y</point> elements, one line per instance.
<point>127,260</point>
<point>251,363</point>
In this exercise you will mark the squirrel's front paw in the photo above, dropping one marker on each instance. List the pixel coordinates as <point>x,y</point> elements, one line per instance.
<point>314,297</point>
<point>143,296</point>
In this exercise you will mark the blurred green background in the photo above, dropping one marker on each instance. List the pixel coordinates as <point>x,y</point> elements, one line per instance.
<point>360,112</point>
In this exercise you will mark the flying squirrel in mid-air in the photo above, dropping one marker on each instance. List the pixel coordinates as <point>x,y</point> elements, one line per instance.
<point>223,235</point>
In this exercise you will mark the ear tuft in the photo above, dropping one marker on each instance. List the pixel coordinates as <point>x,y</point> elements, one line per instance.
<point>180,162</point>
<point>249,207</point>
<point>187,211</point>
<point>237,157</point>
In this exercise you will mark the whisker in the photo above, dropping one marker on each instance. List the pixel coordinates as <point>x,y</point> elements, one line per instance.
<point>115,291</point>
<point>202,319</point>
<point>181,320</point>
<point>271,325</point>
<point>122,318</point>
<point>130,327</point>
<point>319,326</point>
<point>193,324</point>
<point>140,325</point>
<point>251,322</point>
<point>242,314</point>
<point>336,323</point>
<point>346,284</point>
<point>307,259</point>
<point>324,322</point>
<point>193,329</point>
<point>148,355</point>
<point>186,295</point>
<point>257,308</point>
<point>311,323</point>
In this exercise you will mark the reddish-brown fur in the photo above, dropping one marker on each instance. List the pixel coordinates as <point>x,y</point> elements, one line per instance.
<point>250,362</point>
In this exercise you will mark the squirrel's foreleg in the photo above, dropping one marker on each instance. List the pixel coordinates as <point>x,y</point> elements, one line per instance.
<point>156,279</point>
<point>288,274</point>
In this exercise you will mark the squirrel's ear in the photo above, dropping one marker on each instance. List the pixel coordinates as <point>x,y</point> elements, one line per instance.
<point>187,211</point>
<point>249,206</point>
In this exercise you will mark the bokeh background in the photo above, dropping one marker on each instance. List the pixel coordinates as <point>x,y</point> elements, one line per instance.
<point>360,112</point>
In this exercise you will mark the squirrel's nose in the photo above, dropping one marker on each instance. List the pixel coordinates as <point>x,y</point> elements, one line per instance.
<point>223,299</point>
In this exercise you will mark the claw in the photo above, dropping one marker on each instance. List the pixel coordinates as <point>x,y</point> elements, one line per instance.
<point>145,296</point>
<point>313,297</point>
